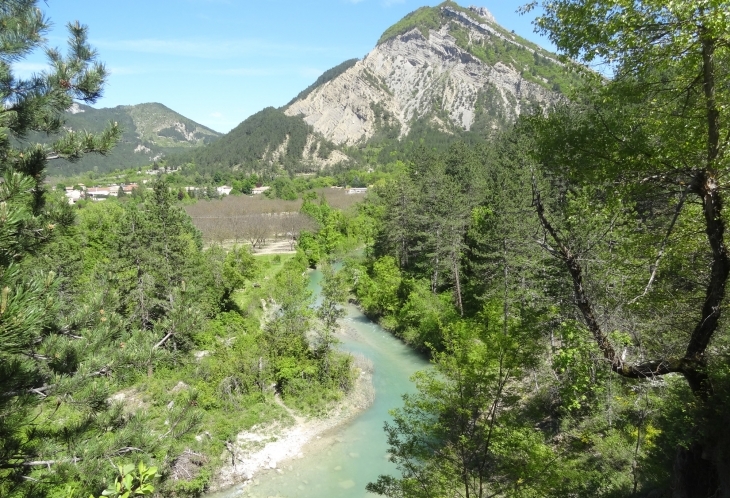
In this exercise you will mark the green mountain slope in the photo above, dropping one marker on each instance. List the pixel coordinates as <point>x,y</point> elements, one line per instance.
<point>453,68</point>
<point>537,64</point>
<point>438,75</point>
<point>267,141</point>
<point>151,131</point>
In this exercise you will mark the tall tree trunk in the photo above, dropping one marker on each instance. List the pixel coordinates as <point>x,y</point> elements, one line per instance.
<point>693,476</point>
<point>703,470</point>
<point>457,282</point>
<point>436,262</point>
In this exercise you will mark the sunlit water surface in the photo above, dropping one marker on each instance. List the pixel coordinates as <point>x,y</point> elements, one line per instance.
<point>343,461</point>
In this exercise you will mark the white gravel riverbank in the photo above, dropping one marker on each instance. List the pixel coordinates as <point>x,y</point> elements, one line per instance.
<point>268,448</point>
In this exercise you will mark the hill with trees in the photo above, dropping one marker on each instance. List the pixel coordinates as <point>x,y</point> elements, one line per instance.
<point>569,279</point>
<point>149,132</point>
<point>266,143</point>
<point>121,339</point>
<point>566,274</point>
<point>441,74</point>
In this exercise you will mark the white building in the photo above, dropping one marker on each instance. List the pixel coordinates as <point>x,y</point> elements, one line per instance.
<point>98,193</point>
<point>72,195</point>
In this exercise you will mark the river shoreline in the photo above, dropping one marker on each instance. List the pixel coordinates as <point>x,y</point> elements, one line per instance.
<point>270,447</point>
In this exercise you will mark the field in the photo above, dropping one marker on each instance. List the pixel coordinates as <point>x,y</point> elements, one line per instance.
<point>258,220</point>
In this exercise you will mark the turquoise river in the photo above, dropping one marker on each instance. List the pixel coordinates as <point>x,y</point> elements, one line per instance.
<point>344,460</point>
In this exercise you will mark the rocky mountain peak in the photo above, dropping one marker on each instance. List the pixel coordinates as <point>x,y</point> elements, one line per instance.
<point>453,67</point>
<point>483,13</point>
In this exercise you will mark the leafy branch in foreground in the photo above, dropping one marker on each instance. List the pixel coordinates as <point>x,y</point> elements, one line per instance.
<point>459,435</point>
<point>132,482</point>
<point>654,134</point>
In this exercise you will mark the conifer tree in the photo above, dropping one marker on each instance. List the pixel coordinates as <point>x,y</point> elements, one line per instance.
<point>26,222</point>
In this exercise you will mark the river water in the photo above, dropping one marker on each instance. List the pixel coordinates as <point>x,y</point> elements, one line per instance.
<point>346,459</point>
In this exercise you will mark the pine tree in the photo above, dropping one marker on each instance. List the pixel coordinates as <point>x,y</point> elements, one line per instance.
<point>26,222</point>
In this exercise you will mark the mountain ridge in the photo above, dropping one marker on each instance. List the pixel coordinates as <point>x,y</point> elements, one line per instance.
<point>150,131</point>
<point>443,71</point>
<point>445,64</point>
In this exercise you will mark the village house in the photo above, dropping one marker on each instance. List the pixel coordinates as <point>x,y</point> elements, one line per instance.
<point>97,193</point>
<point>129,187</point>
<point>72,195</point>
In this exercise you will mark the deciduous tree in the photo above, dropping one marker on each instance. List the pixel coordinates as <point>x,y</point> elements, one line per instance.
<point>654,134</point>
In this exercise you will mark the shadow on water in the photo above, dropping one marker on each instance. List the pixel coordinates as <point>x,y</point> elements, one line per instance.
<point>342,462</point>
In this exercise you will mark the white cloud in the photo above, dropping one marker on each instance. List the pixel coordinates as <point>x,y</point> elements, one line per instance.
<point>25,69</point>
<point>206,49</point>
<point>216,115</point>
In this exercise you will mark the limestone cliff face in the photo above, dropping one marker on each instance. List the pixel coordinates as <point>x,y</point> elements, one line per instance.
<point>415,76</point>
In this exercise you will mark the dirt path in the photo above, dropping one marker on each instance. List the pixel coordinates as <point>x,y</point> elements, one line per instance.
<point>272,246</point>
<point>275,247</point>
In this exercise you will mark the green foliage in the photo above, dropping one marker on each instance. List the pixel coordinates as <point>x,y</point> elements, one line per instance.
<point>534,63</point>
<point>251,146</point>
<point>283,188</point>
<point>148,125</point>
<point>336,233</point>
<point>132,482</point>
<point>424,18</point>
<point>459,434</point>
<point>378,293</point>
<point>29,297</point>
<point>305,376</point>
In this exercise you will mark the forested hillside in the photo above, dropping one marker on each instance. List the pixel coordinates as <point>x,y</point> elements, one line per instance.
<point>149,132</point>
<point>465,78</point>
<point>267,143</point>
<point>569,278</point>
<point>566,274</point>
<point>130,357</point>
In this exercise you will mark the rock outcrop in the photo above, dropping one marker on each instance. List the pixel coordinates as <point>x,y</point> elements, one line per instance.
<point>413,76</point>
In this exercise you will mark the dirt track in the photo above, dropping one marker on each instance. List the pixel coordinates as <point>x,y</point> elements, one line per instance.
<point>278,246</point>
<point>275,247</point>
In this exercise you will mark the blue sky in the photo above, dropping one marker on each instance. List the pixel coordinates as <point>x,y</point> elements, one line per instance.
<point>219,61</point>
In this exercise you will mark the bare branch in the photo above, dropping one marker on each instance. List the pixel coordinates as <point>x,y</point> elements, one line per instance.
<point>163,341</point>
<point>689,366</point>
<point>655,266</point>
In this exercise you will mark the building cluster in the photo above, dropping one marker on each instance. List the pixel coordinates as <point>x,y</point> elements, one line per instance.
<point>161,171</point>
<point>352,190</point>
<point>259,190</point>
<point>80,191</point>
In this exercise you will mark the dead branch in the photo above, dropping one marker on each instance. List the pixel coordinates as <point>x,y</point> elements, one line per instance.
<point>688,366</point>
<point>655,267</point>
